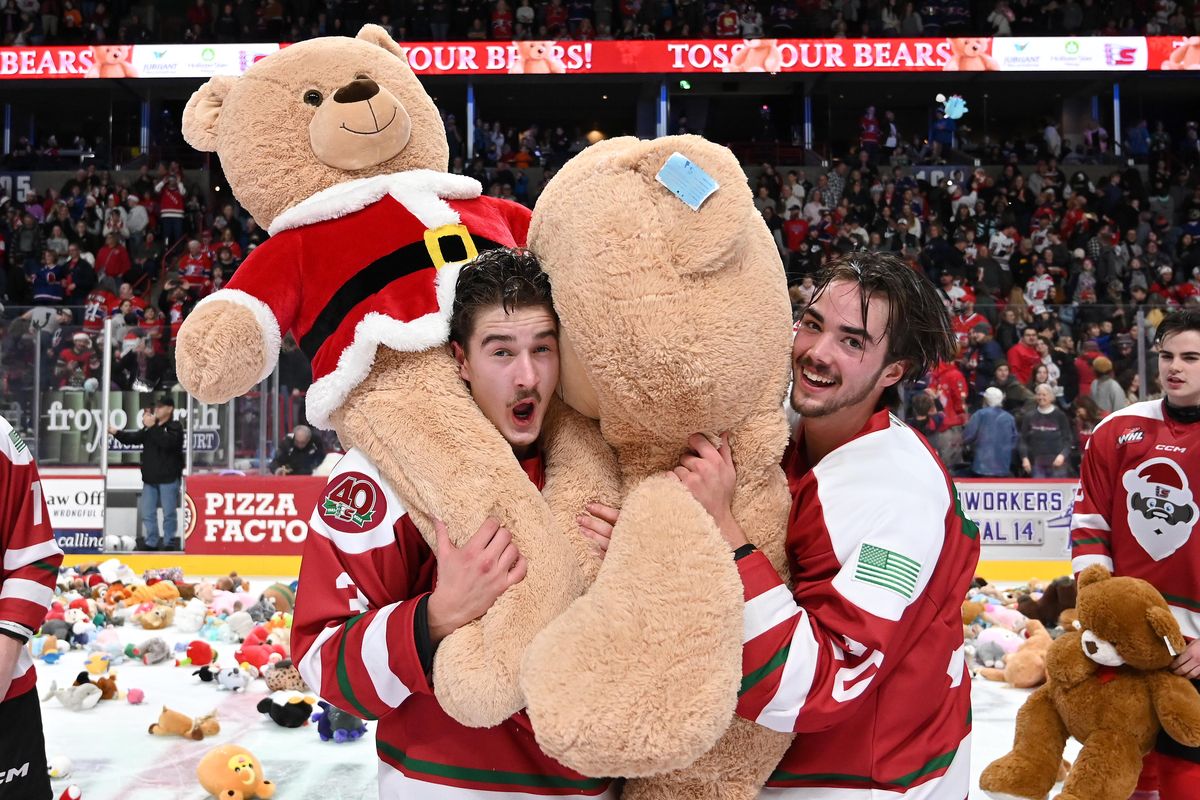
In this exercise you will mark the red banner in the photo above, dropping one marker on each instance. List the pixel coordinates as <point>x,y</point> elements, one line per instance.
<point>981,54</point>
<point>236,515</point>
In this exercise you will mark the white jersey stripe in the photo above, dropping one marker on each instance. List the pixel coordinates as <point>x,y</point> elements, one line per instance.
<point>24,556</point>
<point>766,611</point>
<point>310,665</point>
<point>795,682</point>
<point>1094,522</point>
<point>1080,563</point>
<point>395,785</point>
<point>22,589</point>
<point>389,688</point>
<point>953,784</point>
<point>1189,621</point>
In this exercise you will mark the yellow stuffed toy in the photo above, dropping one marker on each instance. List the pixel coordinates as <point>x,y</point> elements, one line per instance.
<point>1108,686</point>
<point>673,321</point>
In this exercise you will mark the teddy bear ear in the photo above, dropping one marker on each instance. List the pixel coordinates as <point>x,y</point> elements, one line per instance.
<point>374,34</point>
<point>1093,574</point>
<point>1166,628</point>
<point>203,111</point>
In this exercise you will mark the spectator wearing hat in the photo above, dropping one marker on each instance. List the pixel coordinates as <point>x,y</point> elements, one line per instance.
<point>1107,393</point>
<point>77,363</point>
<point>161,438</point>
<point>967,319</point>
<point>1046,438</point>
<point>980,358</point>
<point>992,434</point>
<point>1015,393</point>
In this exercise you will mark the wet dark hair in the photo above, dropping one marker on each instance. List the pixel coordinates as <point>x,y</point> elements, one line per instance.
<point>917,330</point>
<point>1177,322</point>
<point>509,278</point>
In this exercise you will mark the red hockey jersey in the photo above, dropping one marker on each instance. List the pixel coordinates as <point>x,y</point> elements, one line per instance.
<point>365,571</point>
<point>864,658</point>
<point>367,263</point>
<point>30,554</point>
<point>1135,508</point>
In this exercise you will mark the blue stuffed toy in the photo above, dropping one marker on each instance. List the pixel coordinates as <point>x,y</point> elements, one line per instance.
<point>335,724</point>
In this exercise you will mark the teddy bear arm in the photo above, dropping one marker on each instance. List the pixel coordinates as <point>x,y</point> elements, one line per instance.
<point>640,675</point>
<point>1178,707</point>
<point>1030,769</point>
<point>220,353</point>
<point>416,422</point>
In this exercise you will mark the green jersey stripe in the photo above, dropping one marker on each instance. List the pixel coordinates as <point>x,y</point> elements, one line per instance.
<point>751,680</point>
<point>904,781</point>
<point>883,574</point>
<point>1178,600</point>
<point>1091,540</point>
<point>906,593</point>
<point>45,566</point>
<point>343,675</point>
<point>489,776</point>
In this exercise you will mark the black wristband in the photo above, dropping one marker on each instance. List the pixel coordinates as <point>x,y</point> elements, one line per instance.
<point>743,551</point>
<point>14,635</point>
<point>425,646</point>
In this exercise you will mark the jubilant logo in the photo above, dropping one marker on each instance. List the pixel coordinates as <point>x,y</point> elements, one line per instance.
<point>353,502</point>
<point>1130,435</point>
<point>1160,507</point>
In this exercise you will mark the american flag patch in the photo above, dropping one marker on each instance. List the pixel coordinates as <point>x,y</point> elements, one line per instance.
<point>886,568</point>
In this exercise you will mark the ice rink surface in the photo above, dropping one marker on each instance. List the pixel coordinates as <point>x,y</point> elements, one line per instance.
<point>116,758</point>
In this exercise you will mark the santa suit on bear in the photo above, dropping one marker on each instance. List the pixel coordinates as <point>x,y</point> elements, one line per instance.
<point>366,263</point>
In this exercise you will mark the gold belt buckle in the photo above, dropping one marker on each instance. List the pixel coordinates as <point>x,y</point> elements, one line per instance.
<point>433,244</point>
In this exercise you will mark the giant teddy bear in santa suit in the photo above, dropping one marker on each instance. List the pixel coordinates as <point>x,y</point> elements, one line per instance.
<point>334,147</point>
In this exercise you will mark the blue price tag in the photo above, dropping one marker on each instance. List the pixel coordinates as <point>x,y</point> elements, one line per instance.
<point>687,181</point>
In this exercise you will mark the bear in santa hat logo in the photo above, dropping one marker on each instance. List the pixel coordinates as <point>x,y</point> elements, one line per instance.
<point>1161,510</point>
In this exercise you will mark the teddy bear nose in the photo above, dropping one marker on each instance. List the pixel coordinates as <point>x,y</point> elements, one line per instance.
<point>356,91</point>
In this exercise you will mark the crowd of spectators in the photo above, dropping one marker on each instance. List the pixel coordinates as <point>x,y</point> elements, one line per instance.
<point>1044,271</point>
<point>26,22</point>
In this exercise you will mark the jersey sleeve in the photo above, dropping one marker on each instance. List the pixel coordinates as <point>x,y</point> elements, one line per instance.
<point>1091,529</point>
<point>353,633</point>
<point>31,555</point>
<point>810,660</point>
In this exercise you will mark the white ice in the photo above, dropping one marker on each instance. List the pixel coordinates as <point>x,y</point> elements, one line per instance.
<point>116,758</point>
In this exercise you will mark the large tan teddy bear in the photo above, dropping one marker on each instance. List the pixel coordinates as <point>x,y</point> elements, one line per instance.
<point>673,321</point>
<point>334,147</point>
<point>1109,687</point>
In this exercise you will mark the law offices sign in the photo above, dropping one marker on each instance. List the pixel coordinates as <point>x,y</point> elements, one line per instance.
<point>76,504</point>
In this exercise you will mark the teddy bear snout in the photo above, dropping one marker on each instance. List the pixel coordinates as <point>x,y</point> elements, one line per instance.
<point>356,91</point>
<point>1100,650</point>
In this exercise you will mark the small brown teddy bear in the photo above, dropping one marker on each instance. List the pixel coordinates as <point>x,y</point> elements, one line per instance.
<point>173,723</point>
<point>1109,687</point>
<point>1056,598</point>
<point>1025,668</point>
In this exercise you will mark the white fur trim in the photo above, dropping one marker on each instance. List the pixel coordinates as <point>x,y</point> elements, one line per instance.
<point>422,191</point>
<point>271,338</point>
<point>328,393</point>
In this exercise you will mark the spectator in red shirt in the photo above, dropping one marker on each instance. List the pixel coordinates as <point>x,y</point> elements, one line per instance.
<point>153,324</point>
<point>112,262</point>
<point>195,265</point>
<point>502,21</point>
<point>1165,286</point>
<point>227,241</point>
<point>868,135</point>
<point>125,293</point>
<point>727,22</point>
<point>1023,356</point>
<point>171,194</point>
<point>950,388</point>
<point>77,363</point>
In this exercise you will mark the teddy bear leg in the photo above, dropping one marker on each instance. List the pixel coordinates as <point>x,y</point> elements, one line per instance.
<point>1030,769</point>
<point>1107,768</point>
<point>735,769</point>
<point>413,418</point>
<point>640,675</point>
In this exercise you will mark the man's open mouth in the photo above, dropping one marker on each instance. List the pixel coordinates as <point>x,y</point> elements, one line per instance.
<point>523,411</point>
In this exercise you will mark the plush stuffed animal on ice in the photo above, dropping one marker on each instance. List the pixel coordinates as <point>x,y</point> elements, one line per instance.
<point>283,676</point>
<point>1025,668</point>
<point>336,725</point>
<point>334,147</point>
<point>1108,685</point>
<point>701,343</point>
<point>288,709</point>
<point>173,723</point>
<point>76,698</point>
<point>231,772</point>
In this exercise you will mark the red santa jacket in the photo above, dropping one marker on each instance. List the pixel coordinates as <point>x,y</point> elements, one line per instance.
<point>367,263</point>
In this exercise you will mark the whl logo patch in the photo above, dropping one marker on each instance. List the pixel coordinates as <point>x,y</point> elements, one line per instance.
<point>353,503</point>
<point>1131,435</point>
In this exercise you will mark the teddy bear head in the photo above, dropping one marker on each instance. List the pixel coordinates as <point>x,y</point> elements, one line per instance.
<point>673,320</point>
<point>111,53</point>
<point>535,51</point>
<point>970,47</point>
<point>313,115</point>
<point>1125,621</point>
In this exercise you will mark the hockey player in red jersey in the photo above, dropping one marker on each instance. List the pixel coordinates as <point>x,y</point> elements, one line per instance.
<point>863,658</point>
<point>374,602</point>
<point>1136,512</point>
<point>31,558</point>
